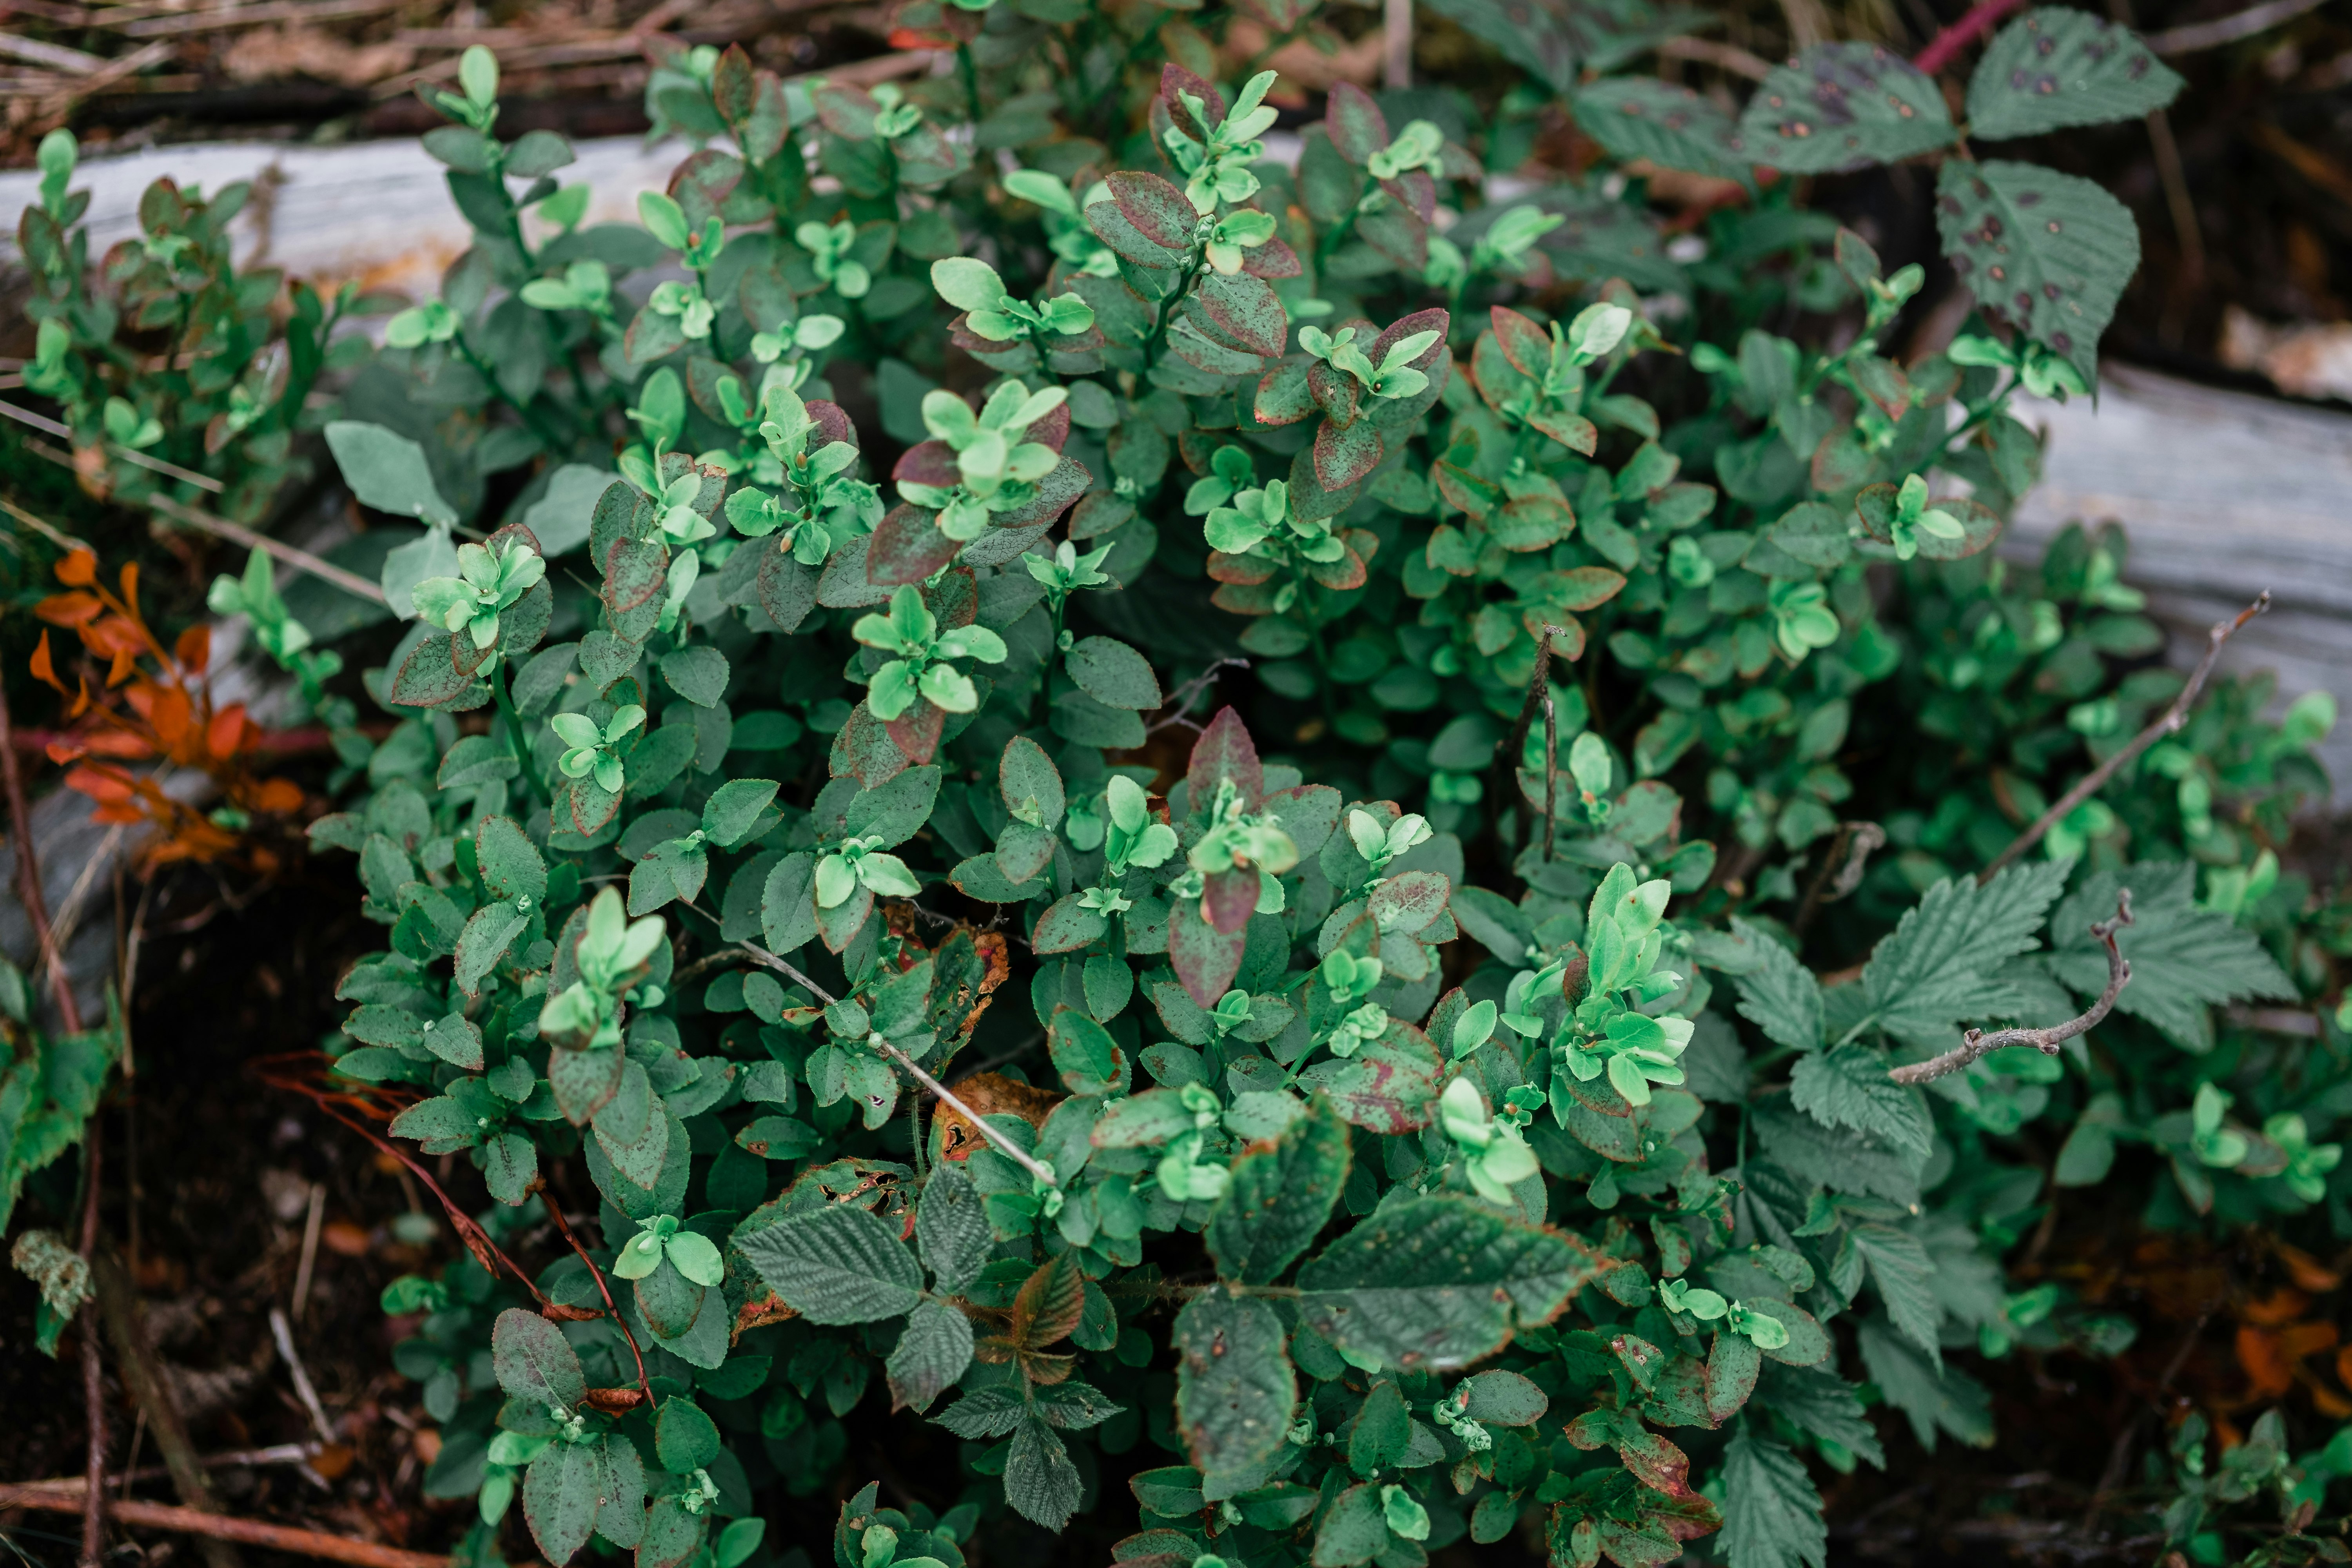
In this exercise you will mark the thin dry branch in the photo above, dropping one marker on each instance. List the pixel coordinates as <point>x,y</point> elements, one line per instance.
<point>1003,1145</point>
<point>1977,1043</point>
<point>555,1211</point>
<point>2166,723</point>
<point>222,1528</point>
<point>1539,695</point>
<point>1849,858</point>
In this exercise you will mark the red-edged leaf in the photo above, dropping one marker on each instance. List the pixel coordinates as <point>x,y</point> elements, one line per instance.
<point>1229,898</point>
<point>1159,212</point>
<point>1389,1086</point>
<point>929,463</point>
<point>1344,454</point>
<point>1174,79</point>
<point>1357,127</point>
<point>1056,494</point>
<point>1430,320</point>
<point>1339,395</point>
<point>787,589</point>
<point>1525,344</point>
<point>846,112</point>
<point>865,752</point>
<point>1283,397</point>
<point>1244,310</point>
<point>916,733</point>
<point>1224,750</point>
<point>1205,958</point>
<point>1053,430</point>
<point>1417,190</point>
<point>1242,569</point>
<point>1497,378</point>
<point>833,423</point>
<point>1572,431</point>
<point>1272,259</point>
<point>1584,588</point>
<point>908,548</point>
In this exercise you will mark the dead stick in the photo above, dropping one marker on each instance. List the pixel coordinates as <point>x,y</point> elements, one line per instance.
<point>1003,1145</point>
<point>223,1529</point>
<point>237,534</point>
<point>555,1212</point>
<point>145,1380</point>
<point>2166,723</point>
<point>29,878</point>
<point>1977,1043</point>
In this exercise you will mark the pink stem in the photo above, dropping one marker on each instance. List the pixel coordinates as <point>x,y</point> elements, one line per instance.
<point>1948,43</point>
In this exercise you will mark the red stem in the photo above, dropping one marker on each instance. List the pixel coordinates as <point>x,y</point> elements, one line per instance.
<point>1947,45</point>
<point>555,1212</point>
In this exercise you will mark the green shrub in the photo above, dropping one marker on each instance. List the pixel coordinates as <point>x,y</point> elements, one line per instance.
<point>1596,614</point>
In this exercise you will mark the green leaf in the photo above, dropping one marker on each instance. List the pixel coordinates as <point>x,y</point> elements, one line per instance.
<point>534,1361</point>
<point>1235,1389</point>
<point>1899,1267</point>
<point>1848,1087</point>
<point>734,808</point>
<point>2048,251</point>
<point>951,1228</point>
<point>1142,1120</point>
<point>684,1439</point>
<point>387,471</point>
<point>560,1494</point>
<point>1030,784</point>
<point>1437,1281</point>
<point>1948,1401</point>
<point>2185,960</point>
<point>932,1353</point>
<point>1934,970</point>
<point>1845,106</point>
<point>1353,1530</point>
<point>2058,67</point>
<point>1500,1398</point>
<point>1672,126</point>
<point>1772,1513</point>
<point>1779,995</point>
<point>698,673</point>
<point>1040,1482</point>
<point>1279,1197</point>
<point>788,903</point>
<point>490,932</point>
<point>967,284</point>
<point>1113,673</point>
<point>1083,1052</point>
<point>1822,1404</point>
<point>1839,1158</point>
<point>838,1265</point>
<point>897,811</point>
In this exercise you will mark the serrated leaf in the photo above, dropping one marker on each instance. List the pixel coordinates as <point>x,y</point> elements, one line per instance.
<point>1779,995</point>
<point>2185,960</point>
<point>2045,251</point>
<point>837,1265</point>
<point>1844,106</point>
<point>1931,972</point>
<point>951,1228</point>
<point>1949,1400</point>
<point>1848,1087</point>
<point>2057,67</point>
<point>1672,126</point>
<point>1235,1389</point>
<point>1771,1512</point>
<point>1822,1404</point>
<point>1279,1197</point>
<point>1899,1270</point>
<point>1437,1281</point>
<point>932,1352</point>
<point>1839,1158</point>
<point>1040,1482</point>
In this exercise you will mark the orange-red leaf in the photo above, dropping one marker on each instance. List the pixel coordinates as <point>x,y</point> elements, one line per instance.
<point>43,668</point>
<point>78,568</point>
<point>194,648</point>
<point>69,609</point>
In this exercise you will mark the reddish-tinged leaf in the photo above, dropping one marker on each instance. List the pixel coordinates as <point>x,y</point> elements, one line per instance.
<point>833,423</point>
<point>846,112</point>
<point>1574,431</point>
<point>1357,127</point>
<point>1525,344</point>
<point>1244,310</point>
<point>916,733</point>
<point>1584,588</point>
<point>1344,454</point>
<point>1159,212</point>
<point>1273,259</point>
<point>1334,391</point>
<point>866,751</point>
<point>1464,490</point>
<point>1431,320</point>
<point>1416,190</point>
<point>908,548</point>
<point>1245,598</point>
<point>1228,898</point>
<point>929,463</point>
<point>1205,958</point>
<point>1050,1303</point>
<point>1283,397</point>
<point>1224,750</point>
<point>1240,569</point>
<point>1346,573</point>
<point>1389,1086</point>
<point>1056,494</point>
<point>787,589</point>
<point>1053,430</point>
<point>1175,80</point>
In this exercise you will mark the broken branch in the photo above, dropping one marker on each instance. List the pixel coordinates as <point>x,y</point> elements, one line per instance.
<point>2166,723</point>
<point>1977,1043</point>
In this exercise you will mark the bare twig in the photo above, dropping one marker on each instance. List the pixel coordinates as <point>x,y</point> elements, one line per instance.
<point>1849,856</point>
<point>283,1332</point>
<point>1181,700</point>
<point>309,1246</point>
<point>2166,723</point>
<point>555,1212</point>
<point>128,454</point>
<point>1003,1145</point>
<point>2222,30</point>
<point>1723,56</point>
<point>220,1530</point>
<point>28,879</point>
<point>275,1454</point>
<point>1977,1043</point>
<point>1539,694</point>
<point>237,534</point>
<point>136,1362</point>
<point>1396,44</point>
<point>1945,46</point>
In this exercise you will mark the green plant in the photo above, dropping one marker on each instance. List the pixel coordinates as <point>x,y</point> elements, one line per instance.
<point>708,830</point>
